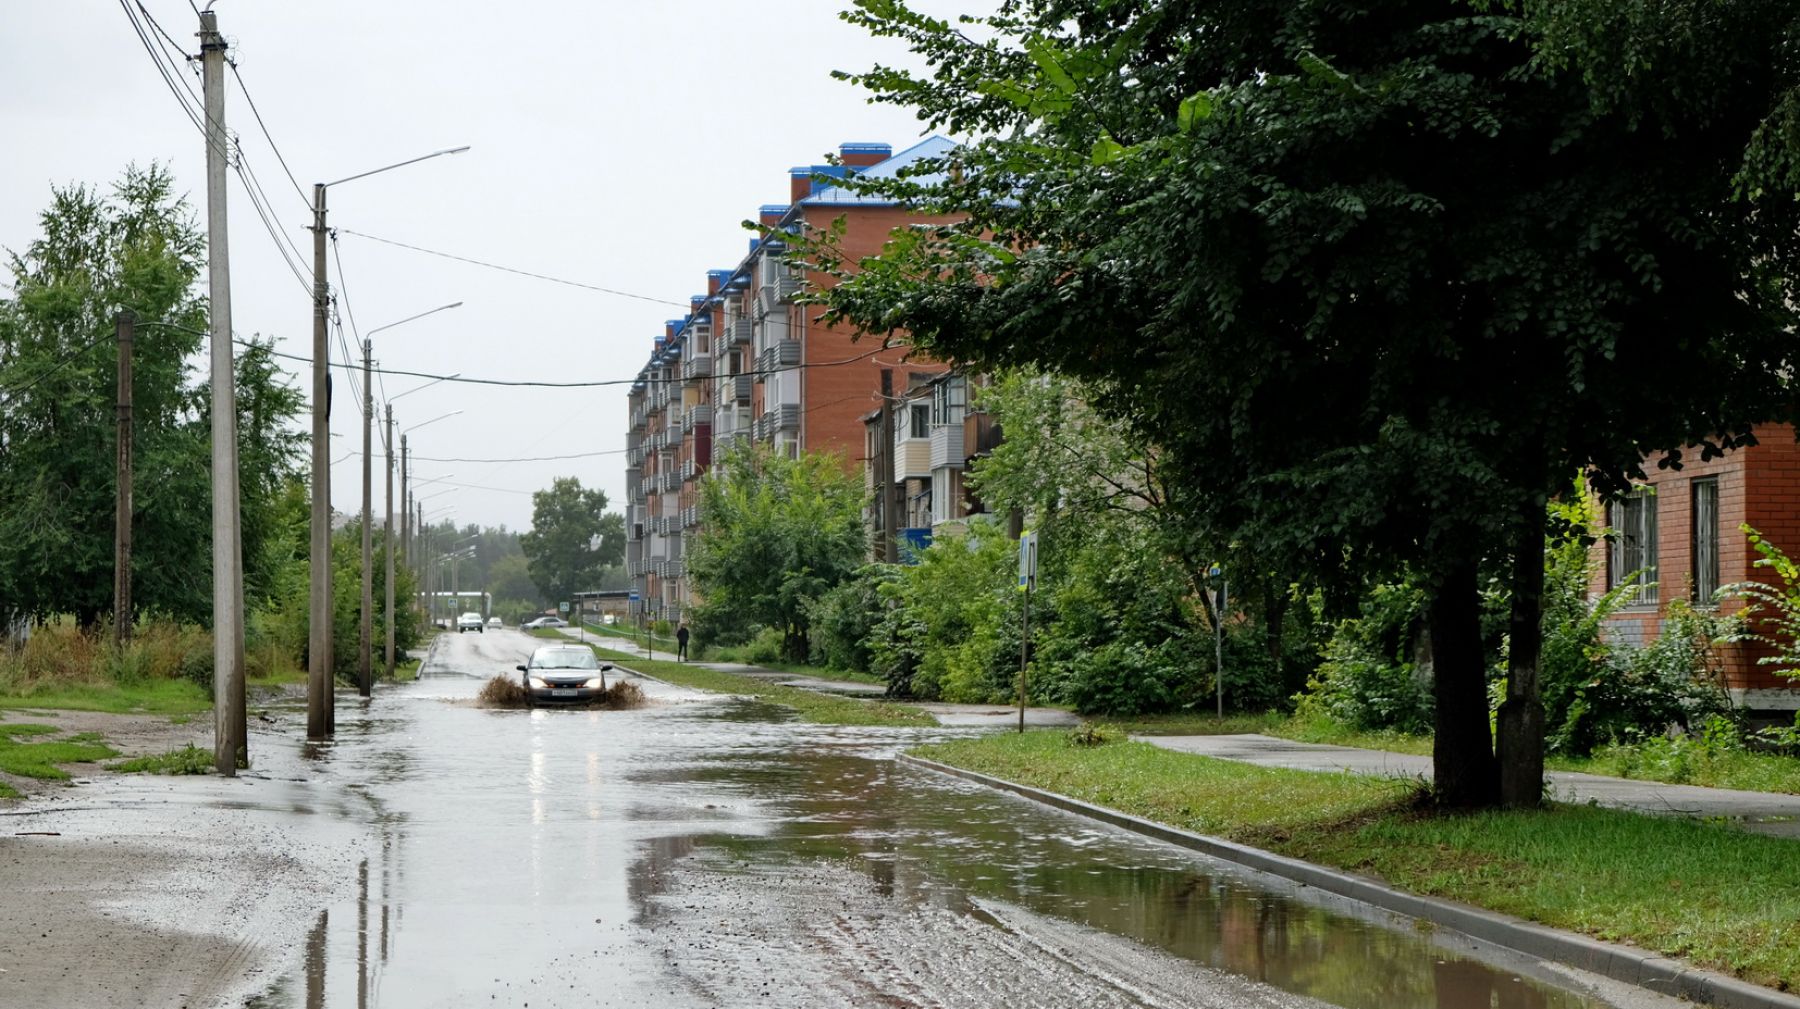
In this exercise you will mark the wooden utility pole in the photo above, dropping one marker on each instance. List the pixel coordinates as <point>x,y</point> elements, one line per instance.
<point>228,568</point>
<point>124,323</point>
<point>387,537</point>
<point>366,629</point>
<point>892,498</point>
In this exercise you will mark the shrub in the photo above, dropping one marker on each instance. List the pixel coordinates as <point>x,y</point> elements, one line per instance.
<point>763,647</point>
<point>1368,679</point>
<point>844,620</point>
<point>1640,693</point>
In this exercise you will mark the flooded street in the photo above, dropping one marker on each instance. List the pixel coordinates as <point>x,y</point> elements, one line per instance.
<point>707,851</point>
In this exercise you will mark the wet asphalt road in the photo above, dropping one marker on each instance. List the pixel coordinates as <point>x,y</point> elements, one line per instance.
<point>708,851</point>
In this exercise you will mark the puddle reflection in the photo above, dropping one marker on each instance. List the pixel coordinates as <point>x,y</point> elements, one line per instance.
<point>537,853</point>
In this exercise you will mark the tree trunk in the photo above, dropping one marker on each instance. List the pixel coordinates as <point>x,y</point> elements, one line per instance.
<point>1521,722</point>
<point>1275,604</point>
<point>1462,751</point>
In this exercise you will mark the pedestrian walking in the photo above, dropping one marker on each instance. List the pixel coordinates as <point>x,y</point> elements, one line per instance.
<point>681,637</point>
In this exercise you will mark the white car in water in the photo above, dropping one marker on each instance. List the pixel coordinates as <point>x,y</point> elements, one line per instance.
<point>470,622</point>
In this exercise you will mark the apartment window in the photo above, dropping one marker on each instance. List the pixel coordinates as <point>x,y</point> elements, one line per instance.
<point>1704,506</point>
<point>1633,552</point>
<point>947,401</point>
<point>921,421</point>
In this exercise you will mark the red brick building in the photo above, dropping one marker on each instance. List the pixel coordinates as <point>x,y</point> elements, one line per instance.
<point>1681,535</point>
<point>747,362</point>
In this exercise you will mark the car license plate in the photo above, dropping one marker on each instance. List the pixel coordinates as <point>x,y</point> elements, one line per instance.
<point>571,692</point>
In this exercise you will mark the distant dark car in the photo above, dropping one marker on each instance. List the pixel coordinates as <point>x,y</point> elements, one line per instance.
<point>564,674</point>
<point>532,625</point>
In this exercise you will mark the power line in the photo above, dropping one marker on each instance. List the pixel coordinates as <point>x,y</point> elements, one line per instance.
<point>522,273</point>
<point>598,384</point>
<point>62,363</point>
<point>539,458</point>
<point>257,115</point>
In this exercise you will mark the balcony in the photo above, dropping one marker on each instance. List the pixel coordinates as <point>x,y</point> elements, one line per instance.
<point>689,469</point>
<point>740,388</point>
<point>788,287</point>
<point>697,367</point>
<point>912,459</point>
<point>947,447</point>
<point>740,332</point>
<point>699,414</point>
<point>780,354</point>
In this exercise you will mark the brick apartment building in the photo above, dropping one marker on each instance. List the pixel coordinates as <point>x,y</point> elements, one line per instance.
<point>919,452</point>
<point>747,362</point>
<point>1680,535</point>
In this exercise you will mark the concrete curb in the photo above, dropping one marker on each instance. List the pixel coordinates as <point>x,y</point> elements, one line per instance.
<point>1621,963</point>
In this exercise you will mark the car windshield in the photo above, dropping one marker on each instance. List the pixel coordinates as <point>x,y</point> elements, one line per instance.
<point>564,658</point>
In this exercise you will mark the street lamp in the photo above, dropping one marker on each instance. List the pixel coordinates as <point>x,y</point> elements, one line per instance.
<point>427,385</point>
<point>321,713</point>
<point>365,630</point>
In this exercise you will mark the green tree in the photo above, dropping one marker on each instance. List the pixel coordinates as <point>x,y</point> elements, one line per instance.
<point>135,248</point>
<point>1376,276</point>
<point>565,521</point>
<point>778,534</point>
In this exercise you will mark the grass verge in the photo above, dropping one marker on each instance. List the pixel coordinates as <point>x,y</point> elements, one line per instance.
<point>1711,894</point>
<point>811,705</point>
<point>154,697</point>
<point>39,759</point>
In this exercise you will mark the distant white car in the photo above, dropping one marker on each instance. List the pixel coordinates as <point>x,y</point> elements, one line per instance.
<point>470,622</point>
<point>544,622</point>
<point>495,622</point>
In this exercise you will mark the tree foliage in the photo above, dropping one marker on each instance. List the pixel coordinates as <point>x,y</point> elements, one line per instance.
<point>1375,276</point>
<point>138,248</point>
<point>779,532</point>
<point>560,548</point>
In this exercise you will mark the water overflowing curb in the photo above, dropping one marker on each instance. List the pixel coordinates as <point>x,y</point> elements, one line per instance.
<point>1620,963</point>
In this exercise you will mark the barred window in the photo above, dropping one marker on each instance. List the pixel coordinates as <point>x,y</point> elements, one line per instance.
<point>1705,513</point>
<point>1633,548</point>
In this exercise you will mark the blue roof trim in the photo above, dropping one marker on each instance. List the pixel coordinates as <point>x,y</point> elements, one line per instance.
<point>869,147</point>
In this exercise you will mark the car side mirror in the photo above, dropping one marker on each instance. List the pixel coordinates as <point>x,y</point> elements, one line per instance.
<point>523,669</point>
<point>606,667</point>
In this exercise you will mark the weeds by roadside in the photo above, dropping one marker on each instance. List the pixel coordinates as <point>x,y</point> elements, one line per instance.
<point>190,759</point>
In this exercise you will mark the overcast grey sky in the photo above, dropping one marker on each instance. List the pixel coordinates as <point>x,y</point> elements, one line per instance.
<point>617,144</point>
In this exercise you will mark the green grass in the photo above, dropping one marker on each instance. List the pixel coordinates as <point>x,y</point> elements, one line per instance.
<point>811,705</point>
<point>1712,894</point>
<point>1683,763</point>
<point>188,760</point>
<point>39,759</point>
<point>154,697</point>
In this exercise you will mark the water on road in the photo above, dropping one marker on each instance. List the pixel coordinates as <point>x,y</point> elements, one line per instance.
<point>708,851</point>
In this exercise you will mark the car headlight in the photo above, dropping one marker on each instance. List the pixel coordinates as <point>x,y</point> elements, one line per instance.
<point>539,683</point>
<point>593,684</point>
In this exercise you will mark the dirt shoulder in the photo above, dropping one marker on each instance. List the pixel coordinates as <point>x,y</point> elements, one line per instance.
<point>130,735</point>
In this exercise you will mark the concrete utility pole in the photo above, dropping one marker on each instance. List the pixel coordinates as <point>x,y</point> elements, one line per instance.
<point>405,498</point>
<point>387,536</point>
<point>365,631</point>
<point>319,701</point>
<point>227,552</point>
<point>124,322</point>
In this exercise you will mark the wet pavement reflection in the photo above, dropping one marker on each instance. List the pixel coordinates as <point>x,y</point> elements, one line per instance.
<point>708,851</point>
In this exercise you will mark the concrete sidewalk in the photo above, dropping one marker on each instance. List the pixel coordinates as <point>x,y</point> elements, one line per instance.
<point>1763,812</point>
